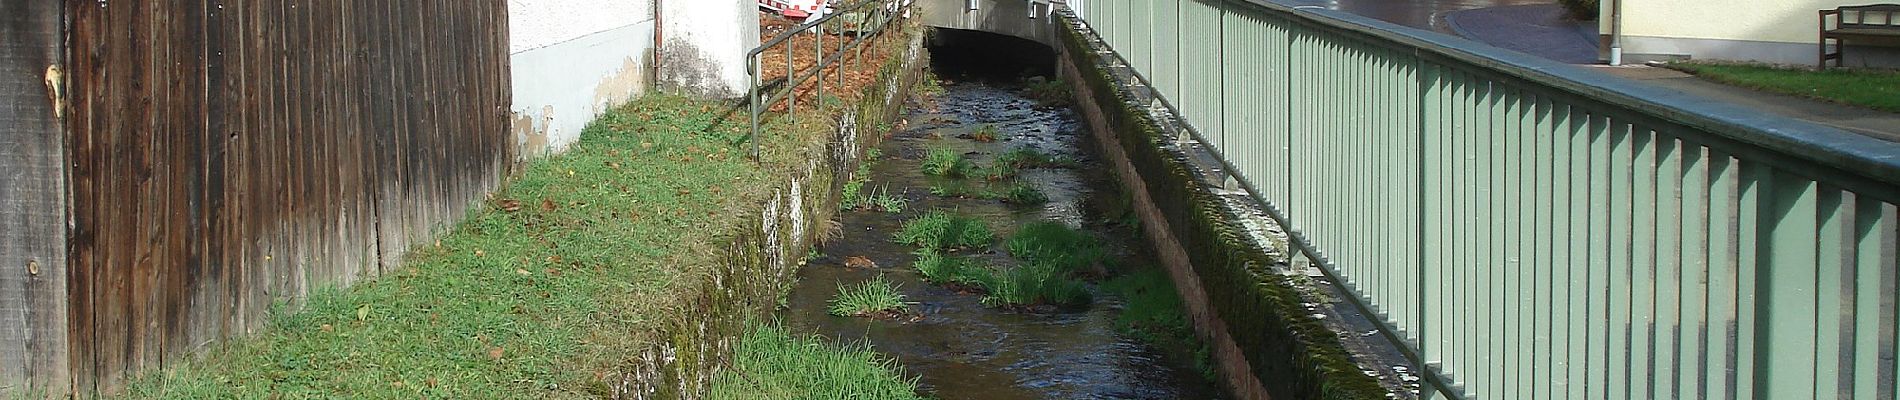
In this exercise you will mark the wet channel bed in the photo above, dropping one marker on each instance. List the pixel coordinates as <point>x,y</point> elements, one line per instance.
<point>957,347</point>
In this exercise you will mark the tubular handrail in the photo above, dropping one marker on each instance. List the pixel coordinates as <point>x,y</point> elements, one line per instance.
<point>823,58</point>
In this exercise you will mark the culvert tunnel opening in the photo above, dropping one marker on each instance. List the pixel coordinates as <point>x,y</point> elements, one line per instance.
<point>966,55</point>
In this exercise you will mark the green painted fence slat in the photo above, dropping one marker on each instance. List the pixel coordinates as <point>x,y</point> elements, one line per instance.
<point>1531,240</point>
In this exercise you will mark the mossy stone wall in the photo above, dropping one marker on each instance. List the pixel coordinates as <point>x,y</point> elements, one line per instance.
<point>758,262</point>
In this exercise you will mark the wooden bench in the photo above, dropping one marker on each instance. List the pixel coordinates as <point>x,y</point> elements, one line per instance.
<point>1865,25</point>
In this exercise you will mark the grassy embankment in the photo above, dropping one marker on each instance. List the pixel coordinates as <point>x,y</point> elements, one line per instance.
<point>1879,90</point>
<point>550,287</point>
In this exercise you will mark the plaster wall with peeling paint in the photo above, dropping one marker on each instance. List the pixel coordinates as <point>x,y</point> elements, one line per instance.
<point>571,61</point>
<point>703,49</point>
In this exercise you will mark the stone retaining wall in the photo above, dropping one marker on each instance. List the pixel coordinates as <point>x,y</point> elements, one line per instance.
<point>759,263</point>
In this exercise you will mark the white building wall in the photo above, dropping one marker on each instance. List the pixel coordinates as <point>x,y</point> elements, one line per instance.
<point>573,60</point>
<point>1774,31</point>
<point>704,44</point>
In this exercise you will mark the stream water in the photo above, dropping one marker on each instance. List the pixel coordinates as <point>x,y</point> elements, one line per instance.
<point>954,345</point>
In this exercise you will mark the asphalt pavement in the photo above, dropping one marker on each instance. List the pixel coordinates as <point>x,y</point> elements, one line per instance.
<point>1539,27</point>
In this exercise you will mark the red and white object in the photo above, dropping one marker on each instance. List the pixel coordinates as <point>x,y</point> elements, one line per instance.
<point>797,8</point>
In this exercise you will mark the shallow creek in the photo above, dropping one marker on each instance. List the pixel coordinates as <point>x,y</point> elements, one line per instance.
<point>954,345</point>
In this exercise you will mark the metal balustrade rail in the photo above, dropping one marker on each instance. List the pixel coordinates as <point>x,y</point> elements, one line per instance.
<point>1534,230</point>
<point>864,19</point>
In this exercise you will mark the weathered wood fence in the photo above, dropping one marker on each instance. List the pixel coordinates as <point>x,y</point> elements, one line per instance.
<point>196,161</point>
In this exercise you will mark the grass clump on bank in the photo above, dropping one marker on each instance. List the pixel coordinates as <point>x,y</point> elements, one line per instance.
<point>1879,90</point>
<point>771,363</point>
<point>854,196</point>
<point>944,230</point>
<point>874,297</point>
<point>1047,92</point>
<point>538,294</point>
<point>1152,311</point>
<point>1057,245</point>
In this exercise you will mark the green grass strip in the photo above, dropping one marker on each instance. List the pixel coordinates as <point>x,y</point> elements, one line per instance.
<point>1879,90</point>
<point>554,283</point>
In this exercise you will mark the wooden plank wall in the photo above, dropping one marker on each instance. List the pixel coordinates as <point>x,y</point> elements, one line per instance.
<point>231,153</point>
<point>33,354</point>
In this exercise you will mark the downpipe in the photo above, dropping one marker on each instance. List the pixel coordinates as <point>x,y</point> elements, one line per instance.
<point>1616,32</point>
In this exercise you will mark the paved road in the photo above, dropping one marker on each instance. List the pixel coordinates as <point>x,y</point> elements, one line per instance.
<point>1537,27</point>
<point>1422,14</point>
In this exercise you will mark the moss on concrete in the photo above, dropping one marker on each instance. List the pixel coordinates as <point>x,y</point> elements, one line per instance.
<point>1288,350</point>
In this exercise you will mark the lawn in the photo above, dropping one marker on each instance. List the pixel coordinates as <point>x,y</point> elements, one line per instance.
<point>541,293</point>
<point>1879,90</point>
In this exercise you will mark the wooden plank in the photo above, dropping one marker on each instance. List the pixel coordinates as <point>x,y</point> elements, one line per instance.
<point>229,153</point>
<point>88,38</point>
<point>34,337</point>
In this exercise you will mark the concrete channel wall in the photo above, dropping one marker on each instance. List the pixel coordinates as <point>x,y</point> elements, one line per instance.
<point>1265,341</point>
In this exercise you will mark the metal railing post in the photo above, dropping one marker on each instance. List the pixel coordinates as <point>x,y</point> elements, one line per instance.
<point>753,100</point>
<point>791,80</point>
<point>818,64</point>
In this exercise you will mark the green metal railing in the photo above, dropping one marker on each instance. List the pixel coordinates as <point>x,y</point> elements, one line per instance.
<point>1533,230</point>
<point>864,20</point>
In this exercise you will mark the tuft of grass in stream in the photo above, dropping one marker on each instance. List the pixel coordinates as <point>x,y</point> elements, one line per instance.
<point>1013,193</point>
<point>1012,162</point>
<point>874,297</point>
<point>770,362</point>
<point>945,230</point>
<point>951,270</point>
<point>948,163</point>
<point>1050,255</point>
<point>986,133</point>
<point>1033,283</point>
<point>1023,193</point>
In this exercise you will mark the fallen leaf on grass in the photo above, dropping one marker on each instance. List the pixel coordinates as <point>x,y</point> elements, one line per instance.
<point>509,205</point>
<point>494,353</point>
